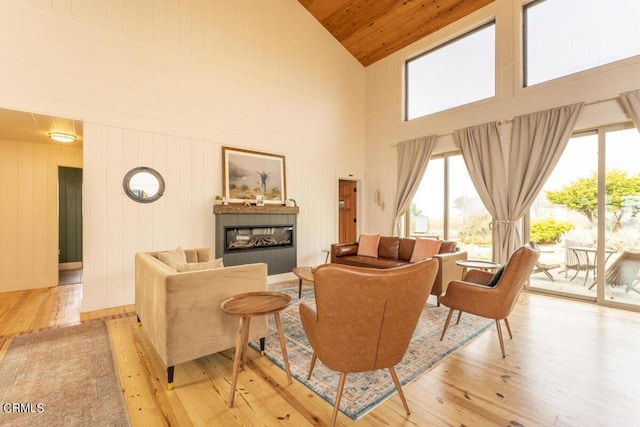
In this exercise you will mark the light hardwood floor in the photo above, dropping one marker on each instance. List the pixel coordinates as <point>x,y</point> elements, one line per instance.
<point>569,364</point>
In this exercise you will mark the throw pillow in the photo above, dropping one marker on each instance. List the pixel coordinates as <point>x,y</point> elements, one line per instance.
<point>195,266</point>
<point>368,245</point>
<point>174,257</point>
<point>425,248</point>
<point>496,277</point>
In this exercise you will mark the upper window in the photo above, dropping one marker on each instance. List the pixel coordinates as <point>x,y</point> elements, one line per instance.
<point>566,36</point>
<point>456,73</point>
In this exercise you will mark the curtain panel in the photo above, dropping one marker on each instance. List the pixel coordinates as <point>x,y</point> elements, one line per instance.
<point>413,157</point>
<point>482,153</point>
<point>537,142</point>
<point>509,189</point>
<point>630,102</point>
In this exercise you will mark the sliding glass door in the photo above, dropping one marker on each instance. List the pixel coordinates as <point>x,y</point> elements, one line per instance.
<point>587,219</point>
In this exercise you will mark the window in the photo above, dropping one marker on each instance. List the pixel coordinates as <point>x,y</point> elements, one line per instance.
<point>457,73</point>
<point>447,206</point>
<point>566,36</point>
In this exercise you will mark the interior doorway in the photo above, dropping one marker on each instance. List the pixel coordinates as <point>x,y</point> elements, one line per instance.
<point>347,206</point>
<point>69,225</point>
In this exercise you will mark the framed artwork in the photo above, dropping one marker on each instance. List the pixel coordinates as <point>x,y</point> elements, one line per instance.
<point>248,174</point>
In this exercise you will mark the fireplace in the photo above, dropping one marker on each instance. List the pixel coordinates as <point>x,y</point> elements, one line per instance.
<point>249,234</point>
<point>252,238</point>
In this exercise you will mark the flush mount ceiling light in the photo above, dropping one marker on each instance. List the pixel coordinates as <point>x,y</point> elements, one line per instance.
<point>62,137</point>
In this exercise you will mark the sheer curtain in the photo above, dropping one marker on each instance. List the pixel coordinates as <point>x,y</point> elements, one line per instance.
<point>630,102</point>
<point>537,142</point>
<point>413,157</point>
<point>482,153</point>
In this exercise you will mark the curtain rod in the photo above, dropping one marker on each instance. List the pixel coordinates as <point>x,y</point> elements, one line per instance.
<point>510,119</point>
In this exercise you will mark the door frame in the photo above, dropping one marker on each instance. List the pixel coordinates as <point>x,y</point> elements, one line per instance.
<point>358,179</point>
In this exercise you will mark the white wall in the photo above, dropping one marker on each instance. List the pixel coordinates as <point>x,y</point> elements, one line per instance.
<point>29,212</point>
<point>165,84</point>
<point>384,111</point>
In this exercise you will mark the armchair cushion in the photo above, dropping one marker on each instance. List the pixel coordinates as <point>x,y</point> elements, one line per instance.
<point>196,266</point>
<point>368,245</point>
<point>174,257</point>
<point>496,277</point>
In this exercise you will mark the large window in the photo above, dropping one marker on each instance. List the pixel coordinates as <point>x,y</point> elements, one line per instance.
<point>447,206</point>
<point>563,37</point>
<point>457,73</point>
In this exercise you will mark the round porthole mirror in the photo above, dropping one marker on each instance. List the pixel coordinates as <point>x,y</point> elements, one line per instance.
<point>143,184</point>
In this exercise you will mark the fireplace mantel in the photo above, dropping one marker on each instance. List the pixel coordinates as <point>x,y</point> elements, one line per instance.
<point>266,209</point>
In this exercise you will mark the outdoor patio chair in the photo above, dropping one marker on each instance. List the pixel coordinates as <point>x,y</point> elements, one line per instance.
<point>624,271</point>
<point>543,268</point>
<point>571,261</point>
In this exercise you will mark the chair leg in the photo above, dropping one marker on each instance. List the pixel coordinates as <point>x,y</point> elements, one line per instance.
<point>170,377</point>
<point>399,388</point>
<point>459,316</point>
<point>313,363</point>
<point>506,322</point>
<point>446,323</point>
<point>500,337</point>
<point>336,408</point>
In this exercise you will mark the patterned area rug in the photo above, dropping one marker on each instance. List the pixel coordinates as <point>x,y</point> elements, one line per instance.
<point>364,391</point>
<point>61,377</point>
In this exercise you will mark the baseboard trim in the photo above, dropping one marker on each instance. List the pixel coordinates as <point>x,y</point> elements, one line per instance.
<point>70,265</point>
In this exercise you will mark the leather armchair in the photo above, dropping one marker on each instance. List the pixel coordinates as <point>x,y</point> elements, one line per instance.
<point>474,296</point>
<point>365,317</point>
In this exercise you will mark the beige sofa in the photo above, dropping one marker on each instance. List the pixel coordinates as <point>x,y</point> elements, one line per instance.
<point>180,312</point>
<point>397,251</point>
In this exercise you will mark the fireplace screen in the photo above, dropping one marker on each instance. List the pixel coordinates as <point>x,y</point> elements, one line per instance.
<point>260,237</point>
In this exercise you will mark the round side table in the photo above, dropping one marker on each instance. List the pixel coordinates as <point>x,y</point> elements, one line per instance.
<point>303,273</point>
<point>246,306</point>
<point>477,264</point>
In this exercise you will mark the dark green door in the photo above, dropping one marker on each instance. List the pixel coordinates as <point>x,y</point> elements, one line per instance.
<point>69,214</point>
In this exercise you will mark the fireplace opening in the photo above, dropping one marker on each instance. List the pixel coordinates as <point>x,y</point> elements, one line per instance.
<point>246,238</point>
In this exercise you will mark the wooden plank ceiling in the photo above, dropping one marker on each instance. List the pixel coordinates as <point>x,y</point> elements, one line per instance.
<point>373,29</point>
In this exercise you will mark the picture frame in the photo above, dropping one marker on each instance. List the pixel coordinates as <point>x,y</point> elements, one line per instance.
<point>247,174</point>
<point>259,200</point>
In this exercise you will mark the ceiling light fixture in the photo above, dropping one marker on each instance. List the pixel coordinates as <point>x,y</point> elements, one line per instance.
<point>62,137</point>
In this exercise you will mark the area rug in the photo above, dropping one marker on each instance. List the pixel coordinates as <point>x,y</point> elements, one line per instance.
<point>61,377</point>
<point>364,391</point>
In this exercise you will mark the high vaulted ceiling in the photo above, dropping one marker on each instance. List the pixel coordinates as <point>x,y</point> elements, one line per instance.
<point>373,29</point>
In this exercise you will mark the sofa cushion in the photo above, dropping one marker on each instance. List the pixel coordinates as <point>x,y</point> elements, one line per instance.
<point>368,245</point>
<point>369,262</point>
<point>173,258</point>
<point>346,250</point>
<point>388,247</point>
<point>425,248</point>
<point>406,248</point>
<point>195,266</point>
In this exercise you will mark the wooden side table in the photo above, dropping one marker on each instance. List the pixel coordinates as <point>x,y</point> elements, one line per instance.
<point>246,306</point>
<point>477,264</point>
<point>303,273</point>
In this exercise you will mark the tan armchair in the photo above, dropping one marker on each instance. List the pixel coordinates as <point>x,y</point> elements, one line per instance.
<point>474,296</point>
<point>365,317</point>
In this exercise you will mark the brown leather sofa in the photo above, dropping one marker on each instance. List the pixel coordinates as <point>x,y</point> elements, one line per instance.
<point>396,251</point>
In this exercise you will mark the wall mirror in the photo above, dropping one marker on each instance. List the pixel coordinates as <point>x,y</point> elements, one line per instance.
<point>143,184</point>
